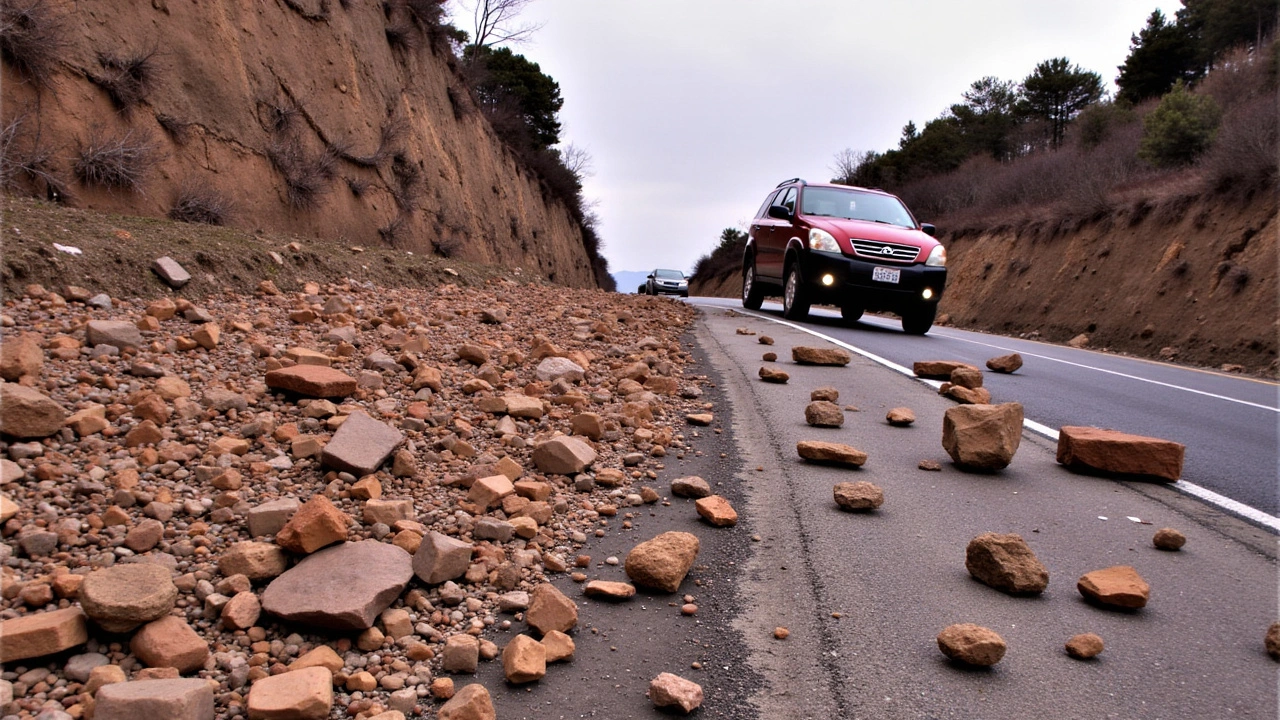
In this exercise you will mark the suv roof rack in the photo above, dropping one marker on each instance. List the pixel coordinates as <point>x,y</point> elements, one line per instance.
<point>792,180</point>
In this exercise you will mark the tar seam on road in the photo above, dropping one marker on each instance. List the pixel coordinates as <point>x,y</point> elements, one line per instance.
<point>826,642</point>
<point>1222,502</point>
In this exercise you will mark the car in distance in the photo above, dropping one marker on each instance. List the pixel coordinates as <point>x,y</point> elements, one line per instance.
<point>666,282</point>
<point>856,248</point>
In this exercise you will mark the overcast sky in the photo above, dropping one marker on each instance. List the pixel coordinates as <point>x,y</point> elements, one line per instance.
<point>693,109</point>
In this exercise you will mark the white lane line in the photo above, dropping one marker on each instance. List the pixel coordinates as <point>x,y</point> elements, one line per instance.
<point>1235,507</point>
<point>1113,372</point>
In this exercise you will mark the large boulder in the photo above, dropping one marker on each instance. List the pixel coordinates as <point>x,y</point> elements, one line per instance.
<point>122,597</point>
<point>360,445</point>
<point>28,413</point>
<point>1005,363</point>
<point>21,355</point>
<point>563,456</point>
<point>982,437</point>
<point>341,588</point>
<point>1116,453</point>
<point>1119,586</point>
<point>116,333</point>
<point>971,644</point>
<point>820,356</point>
<point>663,561</point>
<point>1006,563</point>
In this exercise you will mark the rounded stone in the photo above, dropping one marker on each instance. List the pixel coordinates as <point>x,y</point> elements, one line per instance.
<point>122,597</point>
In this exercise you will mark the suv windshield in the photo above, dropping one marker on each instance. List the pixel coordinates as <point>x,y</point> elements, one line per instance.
<point>854,205</point>
<point>668,274</point>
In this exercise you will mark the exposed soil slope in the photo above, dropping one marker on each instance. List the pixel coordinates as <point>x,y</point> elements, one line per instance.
<point>344,121</point>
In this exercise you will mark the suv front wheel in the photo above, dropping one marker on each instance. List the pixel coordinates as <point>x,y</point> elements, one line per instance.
<point>795,297</point>
<point>752,294</point>
<point>918,320</point>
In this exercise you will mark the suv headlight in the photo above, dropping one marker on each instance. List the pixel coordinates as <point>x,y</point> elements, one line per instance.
<point>822,240</point>
<point>937,257</point>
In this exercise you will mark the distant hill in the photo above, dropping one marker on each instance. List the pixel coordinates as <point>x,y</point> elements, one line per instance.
<point>629,280</point>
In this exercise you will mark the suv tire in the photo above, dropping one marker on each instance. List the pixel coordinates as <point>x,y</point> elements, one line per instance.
<point>752,295</point>
<point>795,296</point>
<point>851,313</point>
<point>918,320</point>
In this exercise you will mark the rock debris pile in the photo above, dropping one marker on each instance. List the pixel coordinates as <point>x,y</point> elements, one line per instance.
<point>292,504</point>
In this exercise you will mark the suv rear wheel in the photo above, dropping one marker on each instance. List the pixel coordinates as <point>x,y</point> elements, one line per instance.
<point>752,295</point>
<point>918,320</point>
<point>851,313</point>
<point>795,297</point>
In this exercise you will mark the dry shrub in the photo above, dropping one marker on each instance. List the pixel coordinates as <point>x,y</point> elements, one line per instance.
<point>401,37</point>
<point>306,176</point>
<point>1243,156</point>
<point>1237,76</point>
<point>392,233</point>
<point>390,138</point>
<point>32,38</point>
<point>25,156</point>
<point>408,181</point>
<point>200,204</point>
<point>357,186</point>
<point>279,114</point>
<point>127,80</point>
<point>115,162</point>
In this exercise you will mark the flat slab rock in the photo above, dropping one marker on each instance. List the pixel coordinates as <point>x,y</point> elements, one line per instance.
<point>173,699</point>
<point>939,369</point>
<point>1119,586</point>
<point>43,633</point>
<point>1114,452</point>
<point>342,588</point>
<point>312,381</point>
<point>361,445</point>
<point>829,452</point>
<point>820,356</point>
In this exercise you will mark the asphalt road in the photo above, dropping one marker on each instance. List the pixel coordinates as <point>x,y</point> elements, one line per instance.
<point>865,595</point>
<point>1230,424</point>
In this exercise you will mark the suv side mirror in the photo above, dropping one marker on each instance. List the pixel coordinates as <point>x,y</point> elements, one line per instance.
<point>928,229</point>
<point>779,212</point>
<point>649,276</point>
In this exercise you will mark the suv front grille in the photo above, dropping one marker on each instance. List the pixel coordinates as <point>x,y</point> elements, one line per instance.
<point>875,250</point>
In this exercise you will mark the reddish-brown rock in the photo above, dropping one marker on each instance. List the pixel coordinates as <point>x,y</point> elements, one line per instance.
<point>28,413</point>
<point>524,660</point>
<point>1169,539</point>
<point>829,452</point>
<point>254,560</point>
<point>1119,586</point>
<point>21,355</point>
<point>170,642</point>
<point>820,356</point>
<point>717,511</point>
<point>559,646</point>
<point>175,699</point>
<point>563,456</point>
<point>983,437</point>
<point>1272,641</point>
<point>858,496</point>
<point>773,375</point>
<point>343,587</point>
<point>940,369</point>
<point>40,634</point>
<point>668,690</point>
<point>440,558</point>
<point>690,487</point>
<point>360,445</point>
<point>1006,563</point>
<point>821,413</point>
<point>318,523</point>
<point>663,561</point>
<point>470,703</point>
<point>609,590</point>
<point>122,597</point>
<point>550,609</point>
<point>1113,452</point>
<point>1084,646</point>
<point>312,381</point>
<point>1005,363</point>
<point>305,694</point>
<point>971,644</point>
<point>900,417</point>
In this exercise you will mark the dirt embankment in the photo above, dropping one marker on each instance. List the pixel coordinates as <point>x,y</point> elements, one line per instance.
<point>342,121</point>
<point>1192,280</point>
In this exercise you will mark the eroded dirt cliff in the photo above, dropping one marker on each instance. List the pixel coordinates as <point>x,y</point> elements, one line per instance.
<point>340,120</point>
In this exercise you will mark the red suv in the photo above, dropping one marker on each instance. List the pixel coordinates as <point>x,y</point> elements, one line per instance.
<point>854,248</point>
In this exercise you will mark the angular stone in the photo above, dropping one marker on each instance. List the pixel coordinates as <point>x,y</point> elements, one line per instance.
<point>559,646</point>
<point>307,356</point>
<point>939,369</point>
<point>21,355</point>
<point>549,609</point>
<point>1084,646</point>
<point>971,644</point>
<point>361,445</point>
<point>1117,453</point>
<point>773,375</point>
<point>821,413</point>
<point>668,690</point>
<point>312,381</point>
<point>461,654</point>
<point>305,694</point>
<point>10,471</point>
<point>344,587</point>
<point>820,356</point>
<point>207,335</point>
<point>967,377</point>
<point>690,487</point>
<point>663,561</point>
<point>122,597</point>
<point>440,558</point>
<point>254,560</point>
<point>524,659</point>
<point>474,354</point>
<point>170,642</point>
<point>174,275</point>
<point>1006,563</point>
<point>983,437</point>
<point>858,496</point>
<point>968,396</point>
<point>1119,586</point>
<point>489,491</point>
<point>1272,641</point>
<point>522,406</point>
<point>699,419</point>
<point>470,703</point>
<point>176,699</point>
<point>28,413</point>
<point>389,511</point>
<point>1005,363</point>
<point>555,368</point>
<point>609,590</point>
<point>563,456</point>
<point>318,523</point>
<point>829,452</point>
<point>269,517</point>
<point>242,611</point>
<point>116,333</point>
<point>40,634</point>
<point>588,424</point>
<point>488,528</point>
<point>900,417</point>
<point>321,656</point>
<point>717,511</point>
<point>827,393</point>
<point>1169,539</point>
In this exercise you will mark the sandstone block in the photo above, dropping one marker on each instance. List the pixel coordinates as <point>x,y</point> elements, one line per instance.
<point>859,496</point>
<point>344,587</point>
<point>549,609</point>
<point>1006,563</point>
<point>983,437</point>
<point>1119,586</point>
<point>21,355</point>
<point>774,375</point>
<point>609,590</point>
<point>177,699</point>
<point>940,369</point>
<point>663,561</point>
<point>1117,453</point>
<point>440,558</point>
<point>254,560</point>
<point>321,656</point>
<point>1005,363</point>
<point>122,597</point>
<point>312,380</point>
<point>563,456</point>
<point>1084,646</point>
<point>116,333</point>
<point>1169,539</point>
<point>967,377</point>
<point>28,413</point>
<point>388,511</point>
<point>555,368</point>
<point>524,659</point>
<point>489,491</point>
<point>559,646</point>
<point>717,511</point>
<point>318,523</point>
<point>971,644</point>
<point>825,392</point>
<point>673,691</point>
<point>174,275</point>
<point>968,396</point>
<point>829,452</point>
<point>588,424</point>
<point>170,642</point>
<point>523,406</point>
<point>305,694</point>
<point>820,356</point>
<point>821,413</point>
<point>461,654</point>
<point>690,487</point>
<point>470,703</point>
<point>361,445</point>
<point>900,417</point>
<point>269,517</point>
<point>40,634</point>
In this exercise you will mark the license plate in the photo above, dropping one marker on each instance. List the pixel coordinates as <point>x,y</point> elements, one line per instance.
<point>886,275</point>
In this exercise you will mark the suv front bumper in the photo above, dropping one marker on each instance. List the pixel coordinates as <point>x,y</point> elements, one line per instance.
<point>851,283</point>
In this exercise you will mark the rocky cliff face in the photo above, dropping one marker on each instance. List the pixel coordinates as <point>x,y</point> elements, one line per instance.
<point>344,120</point>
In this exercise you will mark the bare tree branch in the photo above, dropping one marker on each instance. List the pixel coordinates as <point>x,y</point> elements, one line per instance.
<point>578,161</point>
<point>494,22</point>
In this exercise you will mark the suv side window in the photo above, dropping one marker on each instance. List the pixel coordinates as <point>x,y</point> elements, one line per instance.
<point>764,209</point>
<point>789,200</point>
